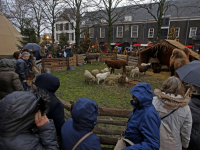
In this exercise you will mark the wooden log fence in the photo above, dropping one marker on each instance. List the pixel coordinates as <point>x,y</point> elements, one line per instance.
<point>60,64</point>
<point>105,128</point>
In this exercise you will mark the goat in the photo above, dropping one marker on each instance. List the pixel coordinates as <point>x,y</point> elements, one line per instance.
<point>116,64</point>
<point>123,79</point>
<point>91,56</point>
<point>135,71</point>
<point>143,68</point>
<point>129,68</point>
<point>88,76</point>
<point>101,76</point>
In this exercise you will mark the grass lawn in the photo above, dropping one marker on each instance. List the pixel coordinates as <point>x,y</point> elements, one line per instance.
<point>73,86</point>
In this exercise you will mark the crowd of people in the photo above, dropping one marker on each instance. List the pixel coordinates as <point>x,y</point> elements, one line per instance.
<point>33,117</point>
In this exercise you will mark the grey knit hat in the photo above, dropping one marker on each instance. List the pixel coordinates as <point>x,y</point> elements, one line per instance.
<point>25,54</point>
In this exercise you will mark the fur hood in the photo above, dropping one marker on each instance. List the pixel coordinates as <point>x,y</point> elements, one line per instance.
<point>172,101</point>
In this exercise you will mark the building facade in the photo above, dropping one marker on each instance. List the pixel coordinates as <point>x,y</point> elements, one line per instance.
<point>65,27</point>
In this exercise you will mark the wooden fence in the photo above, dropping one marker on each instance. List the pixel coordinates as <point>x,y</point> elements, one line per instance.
<point>58,64</point>
<point>108,130</point>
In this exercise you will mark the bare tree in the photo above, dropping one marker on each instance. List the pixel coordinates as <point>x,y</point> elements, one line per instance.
<point>159,9</point>
<point>52,9</point>
<point>75,12</point>
<point>111,14</point>
<point>18,13</point>
<point>38,16</point>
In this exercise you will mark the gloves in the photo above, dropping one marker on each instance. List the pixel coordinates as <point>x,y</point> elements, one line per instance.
<point>184,148</point>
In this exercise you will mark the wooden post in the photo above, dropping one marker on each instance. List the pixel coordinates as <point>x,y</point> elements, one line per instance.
<point>67,63</point>
<point>76,59</point>
<point>42,65</point>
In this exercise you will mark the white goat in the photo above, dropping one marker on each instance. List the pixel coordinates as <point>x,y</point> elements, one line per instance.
<point>88,76</point>
<point>129,68</point>
<point>102,76</point>
<point>135,71</point>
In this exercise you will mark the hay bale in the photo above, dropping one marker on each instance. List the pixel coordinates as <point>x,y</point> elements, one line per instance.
<point>112,79</point>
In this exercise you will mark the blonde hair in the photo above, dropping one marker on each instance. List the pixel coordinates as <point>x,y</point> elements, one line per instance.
<point>173,85</point>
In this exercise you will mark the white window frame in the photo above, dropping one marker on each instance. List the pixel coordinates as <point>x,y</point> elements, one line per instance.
<point>81,34</point>
<point>70,26</point>
<point>118,32</point>
<point>151,30</point>
<point>103,33</point>
<point>191,35</point>
<point>91,32</point>
<point>70,36</point>
<point>128,18</point>
<point>132,31</point>
<point>177,30</point>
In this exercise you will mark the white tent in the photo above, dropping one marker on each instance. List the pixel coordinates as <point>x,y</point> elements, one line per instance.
<point>8,37</point>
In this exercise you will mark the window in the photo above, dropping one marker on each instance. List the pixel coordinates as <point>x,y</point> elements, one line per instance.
<point>151,33</point>
<point>128,18</point>
<point>91,32</point>
<point>134,31</point>
<point>177,30</point>
<point>119,31</point>
<point>193,31</point>
<point>102,32</point>
<point>57,27</point>
<point>71,36</point>
<point>58,37</point>
<point>67,26</point>
<point>81,33</point>
<point>164,33</point>
<point>61,27</point>
<point>165,22</point>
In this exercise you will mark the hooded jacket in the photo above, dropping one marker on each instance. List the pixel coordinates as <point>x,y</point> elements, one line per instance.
<point>144,122</point>
<point>195,134</point>
<point>17,111</point>
<point>50,84</point>
<point>175,129</point>
<point>84,115</point>
<point>8,78</point>
<point>21,69</point>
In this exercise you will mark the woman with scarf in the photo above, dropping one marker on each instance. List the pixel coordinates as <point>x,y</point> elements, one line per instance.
<point>175,114</point>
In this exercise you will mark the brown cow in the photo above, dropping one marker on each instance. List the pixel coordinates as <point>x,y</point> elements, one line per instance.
<point>116,64</point>
<point>177,60</point>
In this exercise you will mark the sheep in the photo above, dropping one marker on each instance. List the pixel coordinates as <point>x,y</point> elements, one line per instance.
<point>156,68</point>
<point>88,76</point>
<point>101,76</point>
<point>129,68</point>
<point>104,70</point>
<point>95,72</point>
<point>135,71</point>
<point>112,79</point>
<point>90,56</point>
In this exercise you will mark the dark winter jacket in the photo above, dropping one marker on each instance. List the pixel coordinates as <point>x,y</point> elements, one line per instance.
<point>144,122</point>
<point>50,84</point>
<point>57,53</point>
<point>8,78</point>
<point>21,69</point>
<point>17,111</point>
<point>84,115</point>
<point>195,134</point>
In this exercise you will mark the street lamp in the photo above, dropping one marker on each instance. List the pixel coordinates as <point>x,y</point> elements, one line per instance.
<point>47,37</point>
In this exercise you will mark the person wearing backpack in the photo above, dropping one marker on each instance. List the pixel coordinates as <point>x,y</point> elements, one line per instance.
<point>175,114</point>
<point>76,131</point>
